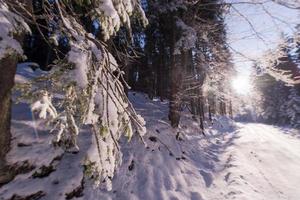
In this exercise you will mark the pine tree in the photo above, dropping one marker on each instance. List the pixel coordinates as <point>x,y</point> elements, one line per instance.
<point>186,41</point>
<point>292,108</point>
<point>87,76</point>
<point>271,101</point>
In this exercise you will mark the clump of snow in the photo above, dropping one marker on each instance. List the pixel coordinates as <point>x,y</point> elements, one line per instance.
<point>110,22</point>
<point>44,106</point>
<point>142,129</point>
<point>25,72</point>
<point>223,123</point>
<point>114,13</point>
<point>81,60</point>
<point>10,24</point>
<point>96,51</point>
<point>187,40</point>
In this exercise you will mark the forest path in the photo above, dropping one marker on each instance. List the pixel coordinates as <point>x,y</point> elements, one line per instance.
<point>262,163</point>
<point>233,161</point>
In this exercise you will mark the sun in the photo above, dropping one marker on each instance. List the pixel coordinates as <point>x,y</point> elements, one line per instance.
<point>241,84</point>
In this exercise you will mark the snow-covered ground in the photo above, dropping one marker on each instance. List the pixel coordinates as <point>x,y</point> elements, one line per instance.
<point>263,162</point>
<point>246,161</point>
<point>234,161</point>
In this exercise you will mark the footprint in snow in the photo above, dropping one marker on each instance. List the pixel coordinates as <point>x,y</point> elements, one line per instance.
<point>226,178</point>
<point>196,196</point>
<point>207,177</point>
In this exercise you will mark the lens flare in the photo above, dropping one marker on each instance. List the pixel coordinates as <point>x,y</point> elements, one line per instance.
<point>241,85</point>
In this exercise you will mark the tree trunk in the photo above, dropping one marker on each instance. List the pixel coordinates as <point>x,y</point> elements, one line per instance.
<point>7,74</point>
<point>201,114</point>
<point>224,108</point>
<point>177,62</point>
<point>8,67</point>
<point>230,109</point>
<point>126,69</point>
<point>162,72</point>
<point>209,113</point>
<point>175,99</point>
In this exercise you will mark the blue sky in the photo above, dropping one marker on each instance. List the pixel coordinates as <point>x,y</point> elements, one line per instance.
<point>252,30</point>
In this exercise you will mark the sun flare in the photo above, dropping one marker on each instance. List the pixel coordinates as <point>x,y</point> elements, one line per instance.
<point>241,85</point>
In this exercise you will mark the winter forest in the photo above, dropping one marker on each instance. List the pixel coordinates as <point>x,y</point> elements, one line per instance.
<point>150,99</point>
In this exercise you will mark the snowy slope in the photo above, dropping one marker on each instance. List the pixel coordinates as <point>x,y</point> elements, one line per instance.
<point>247,161</point>
<point>255,161</point>
<point>167,168</point>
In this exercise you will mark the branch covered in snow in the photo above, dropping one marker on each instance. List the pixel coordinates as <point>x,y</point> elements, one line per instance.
<point>11,25</point>
<point>87,91</point>
<point>280,64</point>
<point>188,38</point>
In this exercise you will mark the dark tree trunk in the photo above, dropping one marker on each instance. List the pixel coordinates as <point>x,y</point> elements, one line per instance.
<point>193,107</point>
<point>201,114</point>
<point>230,109</point>
<point>213,106</point>
<point>175,98</point>
<point>209,113</point>
<point>126,69</point>
<point>224,109</point>
<point>7,74</point>
<point>177,63</point>
<point>162,72</point>
<point>8,66</point>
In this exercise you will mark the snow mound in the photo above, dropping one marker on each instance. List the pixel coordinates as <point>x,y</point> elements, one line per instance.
<point>224,123</point>
<point>25,72</point>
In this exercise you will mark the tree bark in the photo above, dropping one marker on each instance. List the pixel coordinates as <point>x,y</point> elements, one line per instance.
<point>230,109</point>
<point>209,113</point>
<point>8,67</point>
<point>201,114</point>
<point>7,74</point>
<point>175,99</point>
<point>175,76</point>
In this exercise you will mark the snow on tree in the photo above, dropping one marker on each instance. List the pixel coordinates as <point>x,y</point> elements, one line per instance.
<point>188,37</point>
<point>12,30</point>
<point>280,64</point>
<point>291,108</point>
<point>89,91</point>
<point>11,26</point>
<point>270,102</point>
<point>44,107</point>
<point>283,78</point>
<point>278,103</point>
